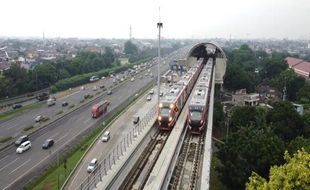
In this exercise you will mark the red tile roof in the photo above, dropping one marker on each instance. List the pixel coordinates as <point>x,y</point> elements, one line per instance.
<point>300,66</point>
<point>291,61</point>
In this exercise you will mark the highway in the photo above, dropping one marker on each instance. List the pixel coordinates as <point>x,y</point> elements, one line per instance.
<point>13,167</point>
<point>14,127</point>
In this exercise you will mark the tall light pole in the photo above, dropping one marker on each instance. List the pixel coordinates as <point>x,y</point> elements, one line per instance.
<point>159,26</point>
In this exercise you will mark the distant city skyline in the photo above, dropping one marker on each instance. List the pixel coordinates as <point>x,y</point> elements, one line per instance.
<point>239,19</point>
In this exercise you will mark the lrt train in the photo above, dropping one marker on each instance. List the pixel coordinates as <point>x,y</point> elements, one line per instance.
<point>171,104</point>
<point>199,102</point>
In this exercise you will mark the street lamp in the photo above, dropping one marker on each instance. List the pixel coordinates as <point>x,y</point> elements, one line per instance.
<point>159,26</point>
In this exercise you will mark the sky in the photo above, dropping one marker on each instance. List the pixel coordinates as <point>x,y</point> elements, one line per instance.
<point>181,18</point>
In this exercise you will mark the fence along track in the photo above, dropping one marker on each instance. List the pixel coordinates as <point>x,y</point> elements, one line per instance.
<point>138,175</point>
<point>185,174</point>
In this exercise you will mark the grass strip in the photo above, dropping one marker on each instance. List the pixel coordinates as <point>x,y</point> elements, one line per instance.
<point>10,114</point>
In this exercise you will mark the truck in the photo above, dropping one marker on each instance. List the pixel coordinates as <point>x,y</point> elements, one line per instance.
<point>99,108</point>
<point>42,96</point>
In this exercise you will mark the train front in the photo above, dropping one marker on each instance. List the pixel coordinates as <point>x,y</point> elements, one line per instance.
<point>196,120</point>
<point>166,116</point>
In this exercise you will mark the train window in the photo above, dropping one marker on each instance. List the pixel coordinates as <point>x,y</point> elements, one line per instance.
<point>165,111</point>
<point>195,115</point>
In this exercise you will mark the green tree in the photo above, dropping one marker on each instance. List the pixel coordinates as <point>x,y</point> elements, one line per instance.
<point>248,149</point>
<point>243,116</point>
<point>218,114</point>
<point>273,67</point>
<point>18,77</point>
<point>303,94</point>
<point>109,57</point>
<point>294,174</point>
<point>285,121</point>
<point>236,78</point>
<point>298,143</point>
<point>130,48</point>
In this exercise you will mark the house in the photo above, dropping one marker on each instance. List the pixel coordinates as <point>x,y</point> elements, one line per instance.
<point>300,67</point>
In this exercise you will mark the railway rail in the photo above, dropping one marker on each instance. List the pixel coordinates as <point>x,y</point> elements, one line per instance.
<point>138,175</point>
<point>185,175</point>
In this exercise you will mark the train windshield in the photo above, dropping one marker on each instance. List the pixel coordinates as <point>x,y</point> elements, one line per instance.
<point>195,115</point>
<point>165,112</point>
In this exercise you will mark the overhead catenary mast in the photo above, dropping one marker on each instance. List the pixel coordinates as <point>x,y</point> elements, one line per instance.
<point>159,26</point>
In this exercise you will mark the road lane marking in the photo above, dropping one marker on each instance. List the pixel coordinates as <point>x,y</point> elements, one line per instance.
<point>62,137</point>
<point>4,158</point>
<point>19,166</point>
<point>9,164</point>
<point>86,121</point>
<point>54,135</point>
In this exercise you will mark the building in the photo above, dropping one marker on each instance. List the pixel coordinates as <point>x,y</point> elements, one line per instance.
<point>300,67</point>
<point>241,98</point>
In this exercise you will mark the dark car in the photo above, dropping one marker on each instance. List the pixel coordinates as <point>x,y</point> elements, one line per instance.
<point>64,104</point>
<point>86,96</point>
<point>16,106</point>
<point>48,143</point>
<point>21,139</point>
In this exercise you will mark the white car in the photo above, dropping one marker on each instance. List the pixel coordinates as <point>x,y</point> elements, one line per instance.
<point>106,136</point>
<point>38,118</point>
<point>149,98</point>
<point>23,147</point>
<point>95,88</point>
<point>132,79</point>
<point>92,166</point>
<point>93,79</point>
<point>152,91</point>
<point>102,77</point>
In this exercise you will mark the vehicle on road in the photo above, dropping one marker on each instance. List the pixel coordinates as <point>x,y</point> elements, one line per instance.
<point>95,88</point>
<point>101,86</point>
<point>161,94</point>
<point>132,79</point>
<point>99,108</point>
<point>136,119</point>
<point>23,147</point>
<point>82,88</point>
<point>48,143</point>
<point>51,101</point>
<point>151,92</point>
<point>93,79</point>
<point>64,104</point>
<point>42,96</point>
<point>109,92</point>
<point>16,106</point>
<point>86,96</point>
<point>21,139</point>
<point>92,166</point>
<point>38,118</point>
<point>102,77</point>
<point>106,136</point>
<point>149,98</point>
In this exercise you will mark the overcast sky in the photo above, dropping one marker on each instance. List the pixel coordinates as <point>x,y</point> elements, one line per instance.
<point>181,18</point>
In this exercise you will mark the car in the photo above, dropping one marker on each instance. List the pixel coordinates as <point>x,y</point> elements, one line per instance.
<point>21,139</point>
<point>140,77</point>
<point>64,104</point>
<point>38,118</point>
<point>151,92</point>
<point>16,106</point>
<point>106,136</point>
<point>102,77</point>
<point>136,119</point>
<point>48,143</point>
<point>95,88</point>
<point>92,166</point>
<point>132,79</point>
<point>102,86</point>
<point>145,74</point>
<point>122,79</point>
<point>86,96</point>
<point>161,94</point>
<point>149,98</point>
<point>23,147</point>
<point>93,79</point>
<point>109,92</point>
<point>82,88</point>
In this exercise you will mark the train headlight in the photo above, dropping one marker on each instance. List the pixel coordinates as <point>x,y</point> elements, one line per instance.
<point>201,121</point>
<point>160,105</point>
<point>170,118</point>
<point>171,106</point>
<point>159,118</point>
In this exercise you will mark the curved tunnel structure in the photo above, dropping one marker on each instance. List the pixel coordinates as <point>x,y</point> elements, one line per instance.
<point>209,50</point>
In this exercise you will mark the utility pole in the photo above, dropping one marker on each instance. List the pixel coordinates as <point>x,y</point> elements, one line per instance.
<point>159,26</point>
<point>130,33</point>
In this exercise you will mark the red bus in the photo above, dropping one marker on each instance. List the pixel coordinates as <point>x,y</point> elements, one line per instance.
<point>100,108</point>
